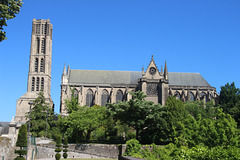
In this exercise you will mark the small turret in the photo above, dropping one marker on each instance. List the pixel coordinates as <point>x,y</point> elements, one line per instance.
<point>165,71</point>
<point>143,73</point>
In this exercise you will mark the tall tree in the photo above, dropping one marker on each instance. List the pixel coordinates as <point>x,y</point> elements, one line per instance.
<point>21,142</point>
<point>8,10</point>
<point>41,116</point>
<point>136,113</point>
<point>229,100</point>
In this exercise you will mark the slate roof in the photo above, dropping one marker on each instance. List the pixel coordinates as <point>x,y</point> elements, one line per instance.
<point>104,77</point>
<point>131,77</point>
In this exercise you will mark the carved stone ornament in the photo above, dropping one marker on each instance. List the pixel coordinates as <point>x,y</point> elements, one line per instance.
<point>152,70</point>
<point>152,89</point>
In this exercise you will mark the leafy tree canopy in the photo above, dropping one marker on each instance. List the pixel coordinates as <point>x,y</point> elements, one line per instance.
<point>42,116</point>
<point>229,100</point>
<point>82,122</point>
<point>8,10</point>
<point>136,113</point>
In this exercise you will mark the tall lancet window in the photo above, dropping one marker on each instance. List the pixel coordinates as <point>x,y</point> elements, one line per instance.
<point>38,44</point>
<point>42,84</point>
<point>89,98</point>
<point>192,96</point>
<point>36,65</point>
<point>38,28</point>
<point>104,97</point>
<point>42,66</point>
<point>33,83</point>
<point>119,96</point>
<point>37,84</point>
<point>43,46</point>
<point>177,95</point>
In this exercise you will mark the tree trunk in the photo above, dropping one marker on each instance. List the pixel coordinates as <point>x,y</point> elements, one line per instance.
<point>88,135</point>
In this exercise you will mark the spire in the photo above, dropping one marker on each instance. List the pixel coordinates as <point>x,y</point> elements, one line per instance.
<point>64,69</point>
<point>143,71</point>
<point>165,71</point>
<point>68,69</point>
<point>161,71</point>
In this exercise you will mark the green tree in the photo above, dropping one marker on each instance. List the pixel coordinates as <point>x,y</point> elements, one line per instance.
<point>199,108</point>
<point>41,117</point>
<point>65,146</point>
<point>83,122</point>
<point>176,114</point>
<point>8,10</point>
<point>21,142</point>
<point>229,100</point>
<point>58,146</point>
<point>72,103</point>
<point>136,113</point>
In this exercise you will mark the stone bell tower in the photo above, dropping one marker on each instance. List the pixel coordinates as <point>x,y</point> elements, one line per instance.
<point>39,75</point>
<point>154,83</point>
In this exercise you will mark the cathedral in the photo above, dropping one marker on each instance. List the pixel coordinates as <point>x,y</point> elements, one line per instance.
<point>99,87</point>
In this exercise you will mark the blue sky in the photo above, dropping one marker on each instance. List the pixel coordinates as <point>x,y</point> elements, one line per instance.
<point>191,35</point>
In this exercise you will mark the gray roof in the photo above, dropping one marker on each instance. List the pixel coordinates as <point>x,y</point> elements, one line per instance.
<point>131,77</point>
<point>104,77</point>
<point>187,79</point>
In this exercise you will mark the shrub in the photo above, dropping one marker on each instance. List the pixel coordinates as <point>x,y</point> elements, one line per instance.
<point>65,155</point>
<point>57,156</point>
<point>133,147</point>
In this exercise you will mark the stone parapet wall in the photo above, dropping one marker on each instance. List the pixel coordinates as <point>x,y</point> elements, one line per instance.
<point>93,150</point>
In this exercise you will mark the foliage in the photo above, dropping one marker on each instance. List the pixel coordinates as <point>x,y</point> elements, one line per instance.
<point>200,109</point>
<point>42,116</point>
<point>136,113</point>
<point>175,114</point>
<point>58,145</point>
<point>22,142</point>
<point>229,100</point>
<point>72,103</point>
<point>65,146</point>
<point>199,152</point>
<point>57,156</point>
<point>133,147</point>
<point>83,122</point>
<point>9,9</point>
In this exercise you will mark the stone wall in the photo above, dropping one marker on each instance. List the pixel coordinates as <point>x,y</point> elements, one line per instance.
<point>4,127</point>
<point>5,147</point>
<point>83,150</point>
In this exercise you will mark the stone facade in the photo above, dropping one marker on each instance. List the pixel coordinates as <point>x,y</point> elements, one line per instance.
<point>101,87</point>
<point>39,75</point>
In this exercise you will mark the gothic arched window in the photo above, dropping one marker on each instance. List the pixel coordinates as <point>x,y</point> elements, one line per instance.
<point>38,44</point>
<point>75,93</point>
<point>104,97</point>
<point>119,96</point>
<point>89,98</point>
<point>37,85</point>
<point>177,95</point>
<point>36,65</point>
<point>203,97</point>
<point>43,46</point>
<point>42,65</point>
<point>192,96</point>
<point>42,84</point>
<point>33,83</point>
